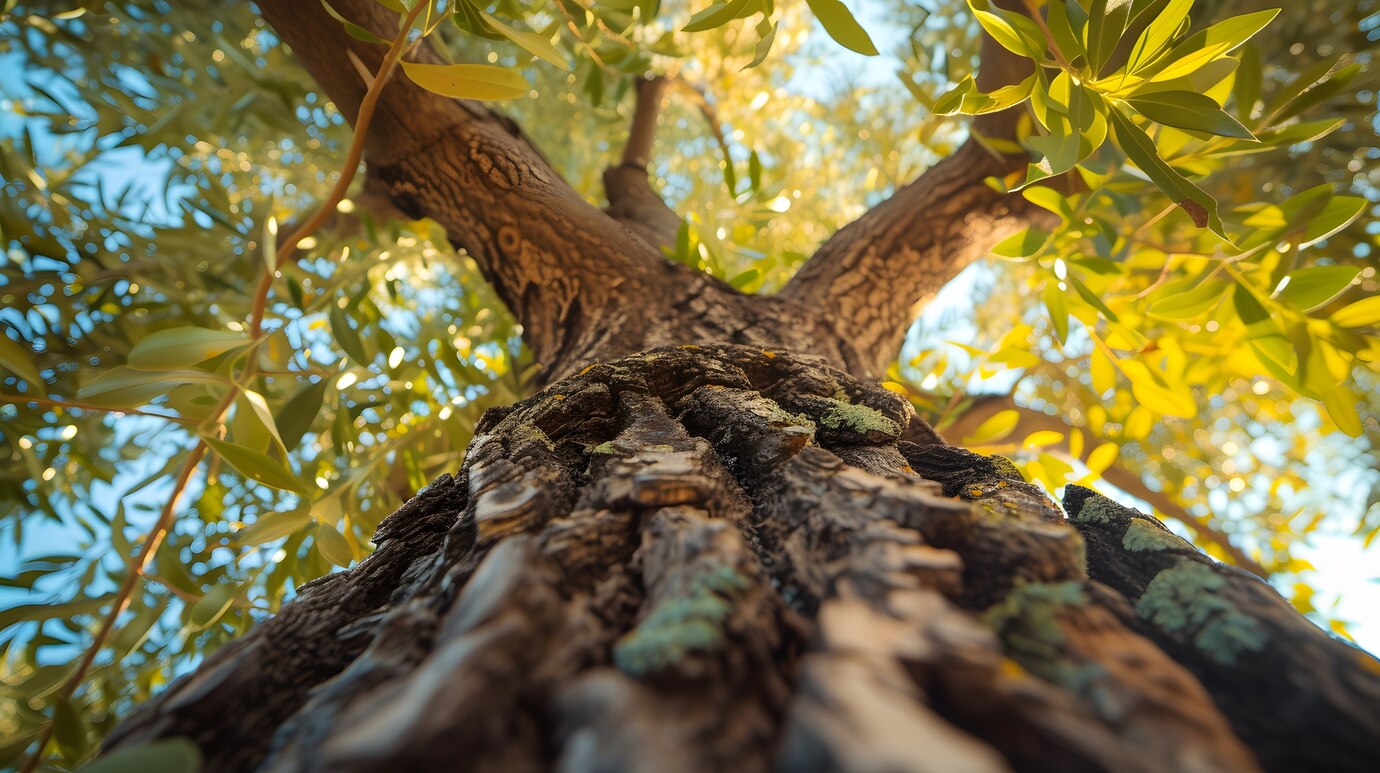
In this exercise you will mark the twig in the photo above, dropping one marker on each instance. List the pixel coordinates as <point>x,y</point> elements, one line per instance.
<point>1049,37</point>
<point>285,253</point>
<point>23,400</point>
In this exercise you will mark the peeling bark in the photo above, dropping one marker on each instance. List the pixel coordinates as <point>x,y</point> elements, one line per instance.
<point>724,557</point>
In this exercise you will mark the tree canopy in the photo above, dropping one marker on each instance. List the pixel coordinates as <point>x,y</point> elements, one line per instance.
<point>213,386</point>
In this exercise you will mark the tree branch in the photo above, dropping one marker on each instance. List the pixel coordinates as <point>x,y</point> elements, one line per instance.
<point>632,201</point>
<point>874,272</point>
<point>569,274</point>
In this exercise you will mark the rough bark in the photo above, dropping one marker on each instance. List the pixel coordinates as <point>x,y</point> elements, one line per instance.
<point>725,557</point>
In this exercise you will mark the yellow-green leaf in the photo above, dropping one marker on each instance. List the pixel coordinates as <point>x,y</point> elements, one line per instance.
<point>333,546</point>
<point>257,466</point>
<point>1363,313</point>
<point>272,526</point>
<point>125,387</point>
<point>468,81</point>
<point>1102,457</point>
<point>16,359</point>
<point>1311,287</point>
<point>1042,438</point>
<point>180,347</point>
<point>838,21</point>
<point>173,756</point>
<point>211,607</point>
<point>996,427</point>
<point>1216,41</point>
<point>532,42</point>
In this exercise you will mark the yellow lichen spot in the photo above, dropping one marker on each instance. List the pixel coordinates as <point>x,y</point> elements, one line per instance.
<point>892,386</point>
<point>908,468</point>
<point>975,492</point>
<point>768,355</point>
<point>691,347</point>
<point>557,397</point>
<point>1011,669</point>
<point>587,369</point>
<point>1368,663</point>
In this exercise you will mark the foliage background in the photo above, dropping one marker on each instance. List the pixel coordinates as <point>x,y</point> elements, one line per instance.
<point>149,148</point>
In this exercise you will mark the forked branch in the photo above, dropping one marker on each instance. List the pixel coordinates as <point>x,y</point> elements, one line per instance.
<point>873,274</point>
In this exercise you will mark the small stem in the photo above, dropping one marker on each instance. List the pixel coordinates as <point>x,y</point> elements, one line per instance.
<point>1049,37</point>
<point>347,171</point>
<point>285,253</point>
<point>24,400</point>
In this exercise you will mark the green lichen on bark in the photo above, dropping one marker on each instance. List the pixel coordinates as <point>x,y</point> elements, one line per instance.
<point>1006,467</point>
<point>1143,536</point>
<point>1185,599</point>
<point>1027,622</point>
<point>679,626</point>
<point>1098,509</point>
<point>865,421</point>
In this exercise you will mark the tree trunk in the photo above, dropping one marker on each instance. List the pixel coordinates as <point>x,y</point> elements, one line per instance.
<point>723,557</point>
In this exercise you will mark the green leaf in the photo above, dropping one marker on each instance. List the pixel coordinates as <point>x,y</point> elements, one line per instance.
<point>1091,298</point>
<point>1188,110</point>
<point>269,250</point>
<point>766,36</point>
<point>16,359</point>
<point>1158,33</point>
<point>1014,32</point>
<point>353,30</point>
<point>1299,94</point>
<point>257,466</point>
<point>1022,245</point>
<point>1077,128</point>
<point>176,755</point>
<point>1058,308</point>
<point>1212,43</point>
<point>1151,391</point>
<point>69,730</point>
<point>1272,348</point>
<point>180,347</point>
<point>1106,22</point>
<point>1140,149</point>
<point>468,81</point>
<point>838,21</point>
<point>272,526</point>
<point>1177,304</point>
<point>258,406</point>
<point>531,42</point>
<point>348,337</point>
<point>133,633</point>
<point>33,612</point>
<point>964,98</point>
<point>1309,288</point>
<point>1067,21</point>
<point>125,387</point>
<point>211,607</point>
<point>333,546</point>
<point>1338,213</point>
<point>298,414</point>
<point>718,14</point>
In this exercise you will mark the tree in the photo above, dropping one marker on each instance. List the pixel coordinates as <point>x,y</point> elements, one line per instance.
<point>712,537</point>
